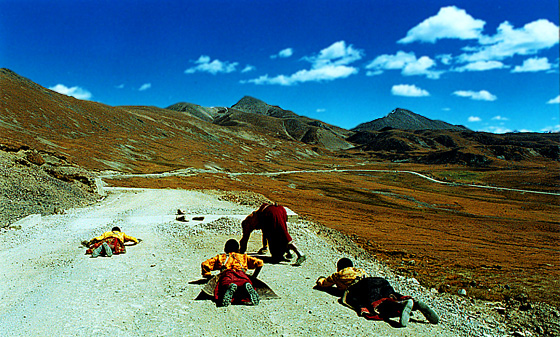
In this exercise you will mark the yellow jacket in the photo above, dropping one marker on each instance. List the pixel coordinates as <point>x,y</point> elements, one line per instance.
<point>342,278</point>
<point>233,261</point>
<point>119,235</point>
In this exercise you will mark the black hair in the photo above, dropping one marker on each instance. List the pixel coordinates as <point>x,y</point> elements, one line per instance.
<point>116,229</point>
<point>344,263</point>
<point>232,246</point>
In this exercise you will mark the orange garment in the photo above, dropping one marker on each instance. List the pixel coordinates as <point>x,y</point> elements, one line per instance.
<point>342,278</point>
<point>119,235</point>
<point>235,261</point>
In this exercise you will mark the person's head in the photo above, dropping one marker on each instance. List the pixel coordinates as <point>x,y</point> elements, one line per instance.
<point>116,229</point>
<point>344,263</point>
<point>232,246</point>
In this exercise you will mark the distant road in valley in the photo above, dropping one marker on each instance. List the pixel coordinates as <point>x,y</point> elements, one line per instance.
<point>193,171</point>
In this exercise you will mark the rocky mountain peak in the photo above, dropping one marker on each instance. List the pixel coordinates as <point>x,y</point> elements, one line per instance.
<point>406,120</point>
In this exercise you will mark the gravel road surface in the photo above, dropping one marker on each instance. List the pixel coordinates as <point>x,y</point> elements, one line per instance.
<point>50,288</point>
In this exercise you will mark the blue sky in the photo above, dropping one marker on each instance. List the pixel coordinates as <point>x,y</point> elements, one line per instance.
<point>489,65</point>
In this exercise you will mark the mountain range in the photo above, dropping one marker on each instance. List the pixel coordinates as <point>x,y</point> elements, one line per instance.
<point>141,138</point>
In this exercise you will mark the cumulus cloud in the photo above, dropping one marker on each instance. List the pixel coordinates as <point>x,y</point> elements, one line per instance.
<point>474,119</point>
<point>533,65</point>
<point>499,129</point>
<point>205,64</point>
<point>445,58</point>
<point>482,95</point>
<point>284,53</point>
<point>481,66</point>
<point>248,68</point>
<point>509,41</point>
<point>335,54</point>
<point>329,64</point>
<point>326,73</point>
<point>500,118</point>
<point>406,62</point>
<point>145,86</point>
<point>408,90</point>
<point>75,92</point>
<point>554,100</point>
<point>449,23</point>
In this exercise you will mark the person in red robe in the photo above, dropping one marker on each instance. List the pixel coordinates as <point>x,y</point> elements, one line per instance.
<point>234,285</point>
<point>271,219</point>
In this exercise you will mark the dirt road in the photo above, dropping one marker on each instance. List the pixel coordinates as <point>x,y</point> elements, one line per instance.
<point>50,288</point>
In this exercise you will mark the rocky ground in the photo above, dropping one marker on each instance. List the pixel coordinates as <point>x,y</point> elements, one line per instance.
<point>49,287</point>
<point>31,183</point>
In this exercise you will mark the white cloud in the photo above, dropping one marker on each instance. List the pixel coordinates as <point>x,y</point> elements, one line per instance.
<point>335,54</point>
<point>533,65</point>
<point>421,67</point>
<point>145,86</point>
<point>482,95</point>
<point>497,129</point>
<point>320,110</point>
<point>120,86</point>
<point>449,23</point>
<point>509,41</point>
<point>387,62</point>
<point>445,58</point>
<point>408,90</point>
<point>500,118</point>
<point>326,73</point>
<point>331,63</point>
<point>75,92</point>
<point>481,66</point>
<point>248,68</point>
<point>474,119</point>
<point>407,62</point>
<point>555,128</point>
<point>554,100</point>
<point>284,53</point>
<point>204,64</point>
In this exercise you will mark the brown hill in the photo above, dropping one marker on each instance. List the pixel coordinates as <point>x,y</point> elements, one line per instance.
<point>132,139</point>
<point>406,120</point>
<point>206,114</point>
<point>255,114</point>
<point>475,149</point>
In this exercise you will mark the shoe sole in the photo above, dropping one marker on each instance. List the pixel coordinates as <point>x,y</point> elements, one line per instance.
<point>405,316</point>
<point>252,294</point>
<point>228,295</point>
<point>428,312</point>
<point>300,261</point>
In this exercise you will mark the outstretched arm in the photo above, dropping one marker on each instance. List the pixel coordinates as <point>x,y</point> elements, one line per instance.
<point>243,242</point>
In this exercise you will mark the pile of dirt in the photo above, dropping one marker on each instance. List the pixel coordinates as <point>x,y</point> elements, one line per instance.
<point>40,183</point>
